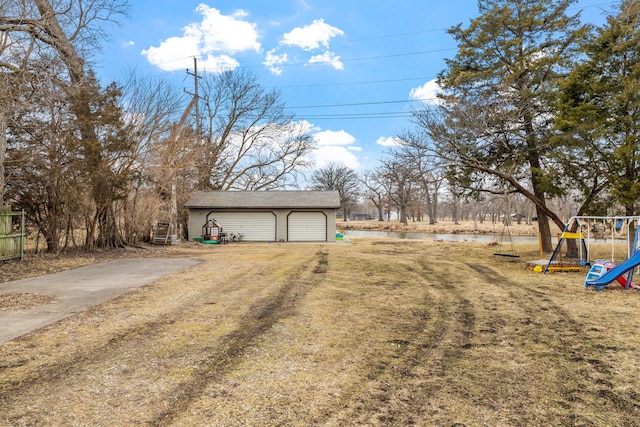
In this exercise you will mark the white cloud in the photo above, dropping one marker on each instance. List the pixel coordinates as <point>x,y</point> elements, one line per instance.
<point>426,93</point>
<point>331,137</point>
<point>272,61</point>
<point>312,36</point>
<point>214,39</point>
<point>334,154</point>
<point>327,58</point>
<point>335,147</point>
<point>307,127</point>
<point>216,63</point>
<point>228,34</point>
<point>388,141</point>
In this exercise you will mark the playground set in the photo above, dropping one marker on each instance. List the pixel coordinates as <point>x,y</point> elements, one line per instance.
<point>581,231</point>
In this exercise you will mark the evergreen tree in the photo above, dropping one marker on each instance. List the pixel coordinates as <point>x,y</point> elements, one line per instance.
<point>494,123</point>
<point>600,106</point>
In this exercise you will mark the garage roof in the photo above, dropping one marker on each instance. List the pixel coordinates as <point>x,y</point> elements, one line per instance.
<point>264,199</point>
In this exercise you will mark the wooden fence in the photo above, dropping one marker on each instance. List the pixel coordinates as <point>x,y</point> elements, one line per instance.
<point>11,234</point>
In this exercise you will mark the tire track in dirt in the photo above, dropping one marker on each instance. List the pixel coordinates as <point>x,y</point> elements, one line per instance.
<point>423,367</point>
<point>584,371</point>
<point>400,385</point>
<point>265,314</point>
<point>60,370</point>
<point>437,349</point>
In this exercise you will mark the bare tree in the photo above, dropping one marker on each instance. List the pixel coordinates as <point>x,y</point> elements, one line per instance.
<point>341,179</point>
<point>416,151</point>
<point>157,152</point>
<point>14,56</point>
<point>249,141</point>
<point>4,101</point>
<point>398,177</point>
<point>375,191</point>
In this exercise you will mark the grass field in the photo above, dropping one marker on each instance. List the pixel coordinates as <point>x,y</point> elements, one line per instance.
<point>375,332</point>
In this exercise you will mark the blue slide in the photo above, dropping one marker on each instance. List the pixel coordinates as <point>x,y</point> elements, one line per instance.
<point>616,271</point>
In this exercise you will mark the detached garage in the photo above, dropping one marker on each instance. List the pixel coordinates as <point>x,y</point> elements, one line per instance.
<point>265,216</point>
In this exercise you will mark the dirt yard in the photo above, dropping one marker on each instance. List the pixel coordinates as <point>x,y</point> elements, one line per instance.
<point>375,332</point>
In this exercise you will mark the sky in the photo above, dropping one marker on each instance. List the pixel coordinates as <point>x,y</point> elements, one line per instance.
<point>351,69</point>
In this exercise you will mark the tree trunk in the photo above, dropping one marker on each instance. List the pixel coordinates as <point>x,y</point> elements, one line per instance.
<point>535,167</point>
<point>51,222</point>
<point>454,211</point>
<point>3,152</point>
<point>108,234</point>
<point>545,231</point>
<point>432,207</point>
<point>403,215</point>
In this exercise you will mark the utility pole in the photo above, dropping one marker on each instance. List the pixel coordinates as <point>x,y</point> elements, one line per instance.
<point>169,208</point>
<point>196,96</point>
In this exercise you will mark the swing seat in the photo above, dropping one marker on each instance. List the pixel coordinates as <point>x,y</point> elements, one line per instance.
<point>508,255</point>
<point>503,251</point>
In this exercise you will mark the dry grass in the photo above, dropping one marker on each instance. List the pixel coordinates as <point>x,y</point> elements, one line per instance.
<point>378,332</point>
<point>447,227</point>
<point>23,301</point>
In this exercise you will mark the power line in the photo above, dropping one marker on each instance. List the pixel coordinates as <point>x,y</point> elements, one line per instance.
<point>396,55</point>
<point>364,58</point>
<point>388,36</point>
<point>356,83</point>
<point>359,114</point>
<point>362,116</point>
<point>355,104</point>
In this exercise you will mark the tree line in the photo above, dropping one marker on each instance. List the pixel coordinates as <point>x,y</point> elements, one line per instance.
<point>112,160</point>
<point>535,105</point>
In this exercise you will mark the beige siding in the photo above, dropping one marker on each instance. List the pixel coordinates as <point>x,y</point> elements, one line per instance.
<point>307,227</point>
<point>254,226</point>
<point>269,225</point>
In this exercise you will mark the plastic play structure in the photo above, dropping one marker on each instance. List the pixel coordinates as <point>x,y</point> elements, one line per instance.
<point>604,272</point>
<point>587,229</point>
<point>212,233</point>
<point>622,273</point>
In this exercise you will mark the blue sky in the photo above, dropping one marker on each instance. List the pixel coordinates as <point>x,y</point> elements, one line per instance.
<point>352,69</point>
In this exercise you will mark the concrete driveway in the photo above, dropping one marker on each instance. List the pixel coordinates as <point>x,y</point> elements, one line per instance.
<point>76,290</point>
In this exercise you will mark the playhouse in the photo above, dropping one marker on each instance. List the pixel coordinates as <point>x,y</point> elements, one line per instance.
<point>212,232</point>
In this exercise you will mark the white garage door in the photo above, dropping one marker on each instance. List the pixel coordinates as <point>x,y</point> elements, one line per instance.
<point>307,227</point>
<point>255,226</point>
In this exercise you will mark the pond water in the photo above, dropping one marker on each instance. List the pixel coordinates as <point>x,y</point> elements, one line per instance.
<point>482,238</point>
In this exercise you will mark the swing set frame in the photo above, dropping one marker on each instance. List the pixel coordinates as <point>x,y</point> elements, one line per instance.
<point>581,228</point>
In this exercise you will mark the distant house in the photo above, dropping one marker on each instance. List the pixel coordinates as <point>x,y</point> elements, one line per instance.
<point>361,217</point>
<point>267,216</point>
